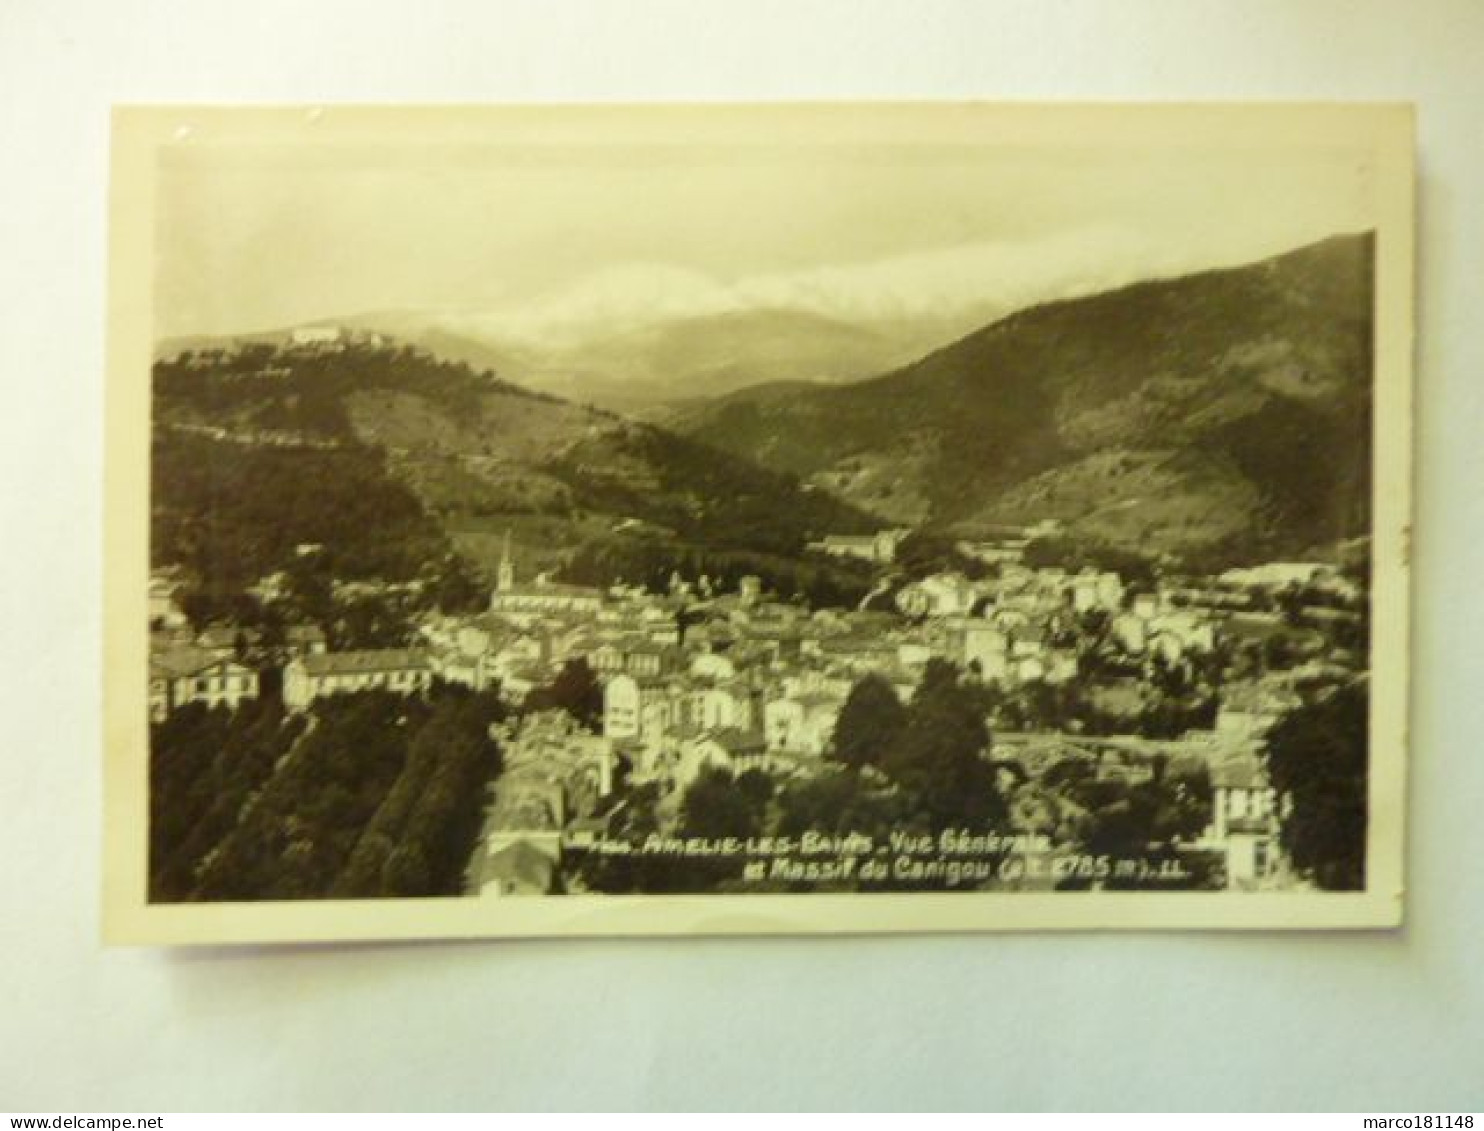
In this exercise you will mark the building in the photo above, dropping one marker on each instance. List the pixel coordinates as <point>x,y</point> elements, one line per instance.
<point>802,723</point>
<point>639,656</point>
<point>987,650</point>
<point>1244,825</point>
<point>308,678</point>
<point>164,604</point>
<point>229,641</point>
<point>1250,710</point>
<point>316,336</point>
<point>721,706</point>
<point>880,548</point>
<point>640,709</point>
<point>1277,575</point>
<point>192,675</point>
<point>733,750</point>
<point>541,596</point>
<point>305,640</point>
<point>1093,590</point>
<point>941,595</point>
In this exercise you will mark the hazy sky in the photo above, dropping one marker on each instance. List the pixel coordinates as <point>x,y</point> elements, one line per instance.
<point>539,239</point>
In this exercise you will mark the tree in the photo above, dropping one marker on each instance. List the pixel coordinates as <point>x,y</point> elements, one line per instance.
<point>715,806</point>
<point>758,788</point>
<point>1317,758</point>
<point>839,801</point>
<point>870,722</point>
<point>575,690</point>
<point>456,588</point>
<point>922,553</point>
<point>1291,601</point>
<point>939,760</point>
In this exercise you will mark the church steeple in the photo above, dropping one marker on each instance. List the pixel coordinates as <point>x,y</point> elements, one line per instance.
<point>505,579</point>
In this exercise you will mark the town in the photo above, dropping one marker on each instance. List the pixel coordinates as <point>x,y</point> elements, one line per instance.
<point>1090,686</point>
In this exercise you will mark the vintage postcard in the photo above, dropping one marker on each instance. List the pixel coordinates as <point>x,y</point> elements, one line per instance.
<point>756,519</point>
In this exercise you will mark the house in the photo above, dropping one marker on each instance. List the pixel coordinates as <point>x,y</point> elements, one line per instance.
<point>192,675</point>
<point>1145,606</point>
<point>270,588</point>
<point>941,595</point>
<point>734,750</point>
<point>636,655</point>
<point>1130,631</point>
<point>228,641</point>
<point>1277,575</point>
<point>802,723</point>
<point>880,547</point>
<point>1193,631</point>
<point>516,680</point>
<point>164,606</point>
<point>305,640</point>
<point>712,665</point>
<point>453,666</point>
<point>1094,590</point>
<point>987,647</point>
<point>646,709</point>
<point>1061,665</point>
<point>312,677</point>
<point>720,706</point>
<point>1245,814</point>
<point>999,551</point>
<point>553,744</point>
<point>1249,710</point>
<point>316,336</point>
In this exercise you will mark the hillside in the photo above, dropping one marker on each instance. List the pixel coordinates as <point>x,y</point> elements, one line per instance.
<point>264,446</point>
<point>1224,415</point>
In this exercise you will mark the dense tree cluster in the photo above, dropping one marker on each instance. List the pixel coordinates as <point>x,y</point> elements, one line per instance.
<point>707,496</point>
<point>1076,552</point>
<point>940,756</point>
<point>303,391</point>
<point>824,583</point>
<point>1317,758</point>
<point>870,722</point>
<point>232,513</point>
<point>924,552</point>
<point>935,748</point>
<point>1149,819</point>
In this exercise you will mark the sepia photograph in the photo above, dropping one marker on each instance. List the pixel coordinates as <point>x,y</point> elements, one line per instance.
<point>756,519</point>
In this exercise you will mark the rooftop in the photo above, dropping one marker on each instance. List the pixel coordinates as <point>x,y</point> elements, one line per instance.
<point>348,663</point>
<point>175,663</point>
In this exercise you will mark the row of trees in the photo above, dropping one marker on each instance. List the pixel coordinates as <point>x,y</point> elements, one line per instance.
<point>205,767</point>
<point>371,794</point>
<point>420,839</point>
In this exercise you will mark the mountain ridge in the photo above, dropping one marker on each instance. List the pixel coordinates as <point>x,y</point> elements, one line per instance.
<point>1189,402</point>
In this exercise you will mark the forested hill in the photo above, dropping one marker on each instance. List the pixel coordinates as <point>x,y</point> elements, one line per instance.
<point>1224,414</point>
<point>387,456</point>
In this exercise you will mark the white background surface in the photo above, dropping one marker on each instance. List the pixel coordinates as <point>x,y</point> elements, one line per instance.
<point>1382,1021</point>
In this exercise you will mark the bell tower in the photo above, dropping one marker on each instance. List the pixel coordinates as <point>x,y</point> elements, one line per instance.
<point>505,578</point>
